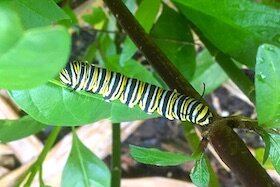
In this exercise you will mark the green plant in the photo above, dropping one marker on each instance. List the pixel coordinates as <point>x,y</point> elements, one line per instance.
<point>33,51</point>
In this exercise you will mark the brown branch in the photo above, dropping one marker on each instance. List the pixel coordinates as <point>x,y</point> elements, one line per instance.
<point>222,137</point>
<point>238,158</point>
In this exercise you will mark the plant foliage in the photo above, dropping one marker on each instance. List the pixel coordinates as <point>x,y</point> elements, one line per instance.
<point>35,46</point>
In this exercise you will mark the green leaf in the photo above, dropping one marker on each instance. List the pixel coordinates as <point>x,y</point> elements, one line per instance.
<point>33,60</point>
<point>28,58</point>
<point>133,69</point>
<point>147,12</point>
<point>206,73</point>
<point>145,15</point>
<point>11,130</point>
<point>10,31</point>
<point>236,28</point>
<point>266,138</point>
<point>267,80</point>
<point>173,36</point>
<point>156,157</point>
<point>53,104</point>
<point>275,151</point>
<point>97,16</point>
<point>272,3</point>
<point>34,13</point>
<point>194,141</point>
<point>199,174</point>
<point>73,20</point>
<point>107,48</point>
<point>83,168</point>
<point>259,155</point>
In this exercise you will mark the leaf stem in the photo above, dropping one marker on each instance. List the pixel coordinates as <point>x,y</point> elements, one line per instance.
<point>75,145</point>
<point>38,164</point>
<point>116,155</point>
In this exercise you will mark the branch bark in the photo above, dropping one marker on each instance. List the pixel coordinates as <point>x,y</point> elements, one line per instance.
<point>237,157</point>
<point>222,137</point>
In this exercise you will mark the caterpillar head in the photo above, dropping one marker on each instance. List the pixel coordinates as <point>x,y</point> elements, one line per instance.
<point>65,77</point>
<point>70,74</point>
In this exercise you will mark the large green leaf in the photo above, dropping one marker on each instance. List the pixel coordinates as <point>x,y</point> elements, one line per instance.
<point>10,31</point>
<point>199,174</point>
<point>28,58</point>
<point>267,81</point>
<point>145,15</point>
<point>206,73</point>
<point>11,130</point>
<point>34,13</point>
<point>84,169</point>
<point>53,104</point>
<point>235,27</point>
<point>156,157</point>
<point>173,36</point>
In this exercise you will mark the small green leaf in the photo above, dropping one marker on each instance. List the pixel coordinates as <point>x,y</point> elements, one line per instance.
<point>34,13</point>
<point>173,36</point>
<point>267,80</point>
<point>199,174</point>
<point>259,154</point>
<point>97,16</point>
<point>156,157</point>
<point>11,130</point>
<point>266,138</point>
<point>73,20</point>
<point>107,48</point>
<point>133,69</point>
<point>275,151</point>
<point>194,141</point>
<point>146,19</point>
<point>83,168</point>
<point>206,72</point>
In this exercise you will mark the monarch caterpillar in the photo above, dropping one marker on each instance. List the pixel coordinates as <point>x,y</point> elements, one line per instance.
<point>130,91</point>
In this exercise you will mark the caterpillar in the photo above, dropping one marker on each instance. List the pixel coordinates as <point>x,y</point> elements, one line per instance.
<point>130,91</point>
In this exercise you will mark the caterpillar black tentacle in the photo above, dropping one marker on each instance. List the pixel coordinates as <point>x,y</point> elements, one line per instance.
<point>130,91</point>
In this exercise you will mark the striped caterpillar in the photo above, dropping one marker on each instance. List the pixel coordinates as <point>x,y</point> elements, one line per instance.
<point>130,91</point>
